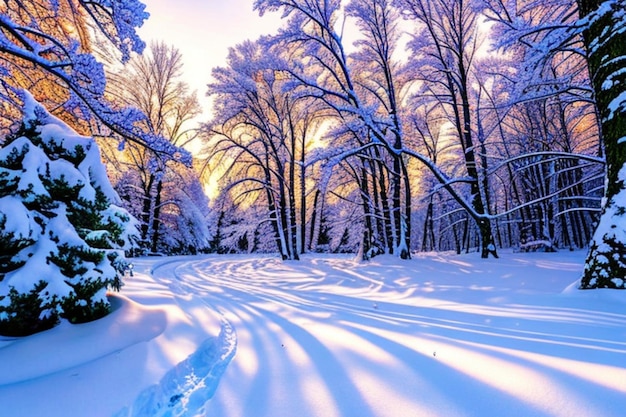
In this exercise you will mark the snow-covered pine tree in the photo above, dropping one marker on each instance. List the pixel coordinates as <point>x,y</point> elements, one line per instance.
<point>62,236</point>
<point>605,38</point>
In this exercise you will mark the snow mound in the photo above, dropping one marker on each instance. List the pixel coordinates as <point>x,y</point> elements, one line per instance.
<point>22,359</point>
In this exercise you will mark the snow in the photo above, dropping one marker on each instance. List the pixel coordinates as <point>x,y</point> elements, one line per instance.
<point>229,336</point>
<point>19,222</point>
<point>54,130</point>
<point>617,106</point>
<point>49,156</point>
<point>610,226</point>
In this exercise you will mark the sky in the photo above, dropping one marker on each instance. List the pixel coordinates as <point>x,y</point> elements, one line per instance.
<point>203,30</point>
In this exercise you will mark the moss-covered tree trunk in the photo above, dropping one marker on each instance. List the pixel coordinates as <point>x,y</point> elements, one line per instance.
<point>605,39</point>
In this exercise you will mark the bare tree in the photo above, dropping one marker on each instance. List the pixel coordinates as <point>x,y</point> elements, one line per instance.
<point>446,47</point>
<point>366,110</point>
<point>45,47</point>
<point>261,136</point>
<point>544,105</point>
<point>152,83</point>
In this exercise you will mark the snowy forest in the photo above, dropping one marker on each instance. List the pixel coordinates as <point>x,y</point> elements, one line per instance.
<point>368,127</point>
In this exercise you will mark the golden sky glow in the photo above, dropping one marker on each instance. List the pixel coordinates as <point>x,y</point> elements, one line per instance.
<point>203,30</point>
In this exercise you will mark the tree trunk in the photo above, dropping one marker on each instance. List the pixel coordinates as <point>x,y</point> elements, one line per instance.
<point>273,213</point>
<point>313,233</point>
<point>484,225</point>
<point>605,39</point>
<point>378,228</point>
<point>303,195</point>
<point>366,245</point>
<point>291,190</point>
<point>384,200</point>
<point>156,217</point>
<point>396,211</point>
<point>283,216</point>
<point>146,211</point>
<point>405,235</point>
<point>429,233</point>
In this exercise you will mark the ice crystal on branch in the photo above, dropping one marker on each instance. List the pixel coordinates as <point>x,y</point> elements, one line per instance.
<point>59,52</point>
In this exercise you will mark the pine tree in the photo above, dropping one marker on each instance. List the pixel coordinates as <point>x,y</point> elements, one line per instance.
<point>605,38</point>
<point>62,238</point>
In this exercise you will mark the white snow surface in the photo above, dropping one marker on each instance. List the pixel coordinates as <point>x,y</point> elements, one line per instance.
<point>251,336</point>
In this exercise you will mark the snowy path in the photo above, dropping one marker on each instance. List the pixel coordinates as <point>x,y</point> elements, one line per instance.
<point>434,337</point>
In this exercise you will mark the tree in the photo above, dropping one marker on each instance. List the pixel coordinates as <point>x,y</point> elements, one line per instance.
<point>365,111</point>
<point>379,77</point>
<point>516,157</point>
<point>604,24</point>
<point>547,122</point>
<point>447,46</point>
<point>368,125</point>
<point>52,37</point>
<point>184,215</point>
<point>427,126</point>
<point>261,135</point>
<point>63,233</point>
<point>151,82</point>
<point>46,47</point>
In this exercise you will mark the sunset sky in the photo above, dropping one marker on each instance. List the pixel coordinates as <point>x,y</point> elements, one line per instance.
<point>203,30</point>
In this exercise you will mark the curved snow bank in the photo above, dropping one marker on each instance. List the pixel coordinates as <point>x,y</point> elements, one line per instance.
<point>184,390</point>
<point>47,352</point>
<point>573,290</point>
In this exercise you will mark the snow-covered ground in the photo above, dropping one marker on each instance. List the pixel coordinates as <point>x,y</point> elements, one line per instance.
<point>250,336</point>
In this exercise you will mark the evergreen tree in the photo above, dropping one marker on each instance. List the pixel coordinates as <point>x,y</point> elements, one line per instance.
<point>62,236</point>
<point>605,38</point>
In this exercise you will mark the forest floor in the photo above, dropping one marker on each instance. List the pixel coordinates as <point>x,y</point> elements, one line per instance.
<point>251,336</point>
